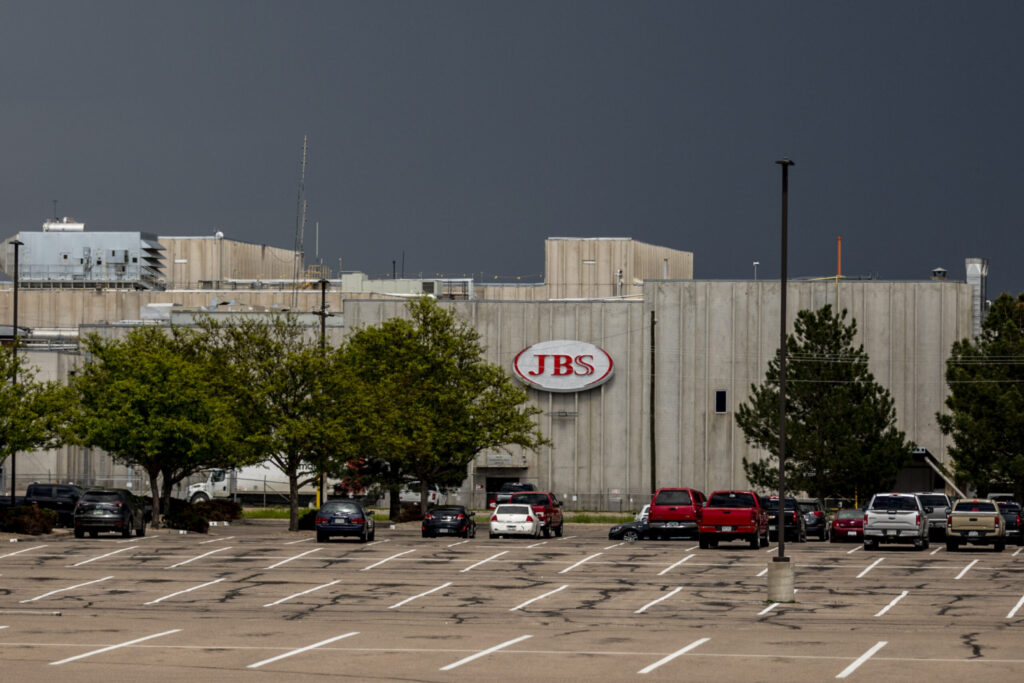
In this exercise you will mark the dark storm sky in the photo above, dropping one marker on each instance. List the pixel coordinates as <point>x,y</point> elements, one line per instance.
<point>463,133</point>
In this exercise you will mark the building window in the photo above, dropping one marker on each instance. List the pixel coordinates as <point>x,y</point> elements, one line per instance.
<point>721,402</point>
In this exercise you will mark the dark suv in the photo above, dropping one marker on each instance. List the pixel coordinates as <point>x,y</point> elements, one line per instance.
<point>117,510</point>
<point>506,491</point>
<point>61,498</point>
<point>815,518</point>
<point>796,528</point>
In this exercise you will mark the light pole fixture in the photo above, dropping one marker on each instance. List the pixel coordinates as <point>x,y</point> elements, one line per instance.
<point>756,264</point>
<point>780,579</point>
<point>14,366</point>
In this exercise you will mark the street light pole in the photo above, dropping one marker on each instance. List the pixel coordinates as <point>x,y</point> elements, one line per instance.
<point>14,366</point>
<point>780,574</point>
<point>756,264</point>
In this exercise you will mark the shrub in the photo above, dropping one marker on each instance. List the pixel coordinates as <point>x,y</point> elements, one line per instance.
<point>28,519</point>
<point>187,519</point>
<point>307,520</point>
<point>219,510</point>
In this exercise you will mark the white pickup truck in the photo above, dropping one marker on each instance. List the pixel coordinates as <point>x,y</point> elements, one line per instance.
<point>895,518</point>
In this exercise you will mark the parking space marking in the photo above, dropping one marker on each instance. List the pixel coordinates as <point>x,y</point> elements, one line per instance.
<point>114,647</point>
<point>18,552</point>
<point>187,590</point>
<point>863,658</point>
<point>937,549</point>
<point>301,540</point>
<point>115,552</point>
<point>300,650</point>
<point>965,569</point>
<point>64,590</point>
<point>310,590</point>
<point>1020,603</point>
<point>891,604</point>
<point>377,564</point>
<point>1017,553</point>
<point>308,552</point>
<point>855,549</point>
<point>763,572</point>
<point>690,549</point>
<point>539,597</point>
<point>772,606</point>
<point>568,569</point>
<point>669,658</point>
<point>199,557</point>
<point>452,545</point>
<point>667,570</point>
<point>484,653</point>
<point>483,561</point>
<point>137,539</point>
<point>214,540</point>
<point>870,567</point>
<point>536,544</point>
<point>612,546</point>
<point>385,540</point>
<point>655,602</point>
<point>432,590</point>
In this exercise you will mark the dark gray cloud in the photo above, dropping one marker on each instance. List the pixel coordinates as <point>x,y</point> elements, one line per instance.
<point>461,134</point>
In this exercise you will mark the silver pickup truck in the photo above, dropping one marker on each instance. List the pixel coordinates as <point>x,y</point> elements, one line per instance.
<point>895,518</point>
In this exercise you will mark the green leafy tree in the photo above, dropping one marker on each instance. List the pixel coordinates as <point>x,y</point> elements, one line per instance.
<point>289,395</point>
<point>149,400</point>
<point>434,403</point>
<point>32,414</point>
<point>986,401</point>
<point>841,436</point>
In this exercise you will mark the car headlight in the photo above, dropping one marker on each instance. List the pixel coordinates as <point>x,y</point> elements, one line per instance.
<point>616,528</point>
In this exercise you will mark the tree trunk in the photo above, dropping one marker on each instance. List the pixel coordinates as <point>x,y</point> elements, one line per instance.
<point>395,507</point>
<point>293,501</point>
<point>154,493</point>
<point>424,504</point>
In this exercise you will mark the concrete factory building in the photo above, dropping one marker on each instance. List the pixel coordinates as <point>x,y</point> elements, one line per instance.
<point>615,322</point>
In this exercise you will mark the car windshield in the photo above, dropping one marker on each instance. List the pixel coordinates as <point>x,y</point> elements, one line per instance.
<point>530,498</point>
<point>1009,507</point>
<point>894,503</point>
<point>340,508</point>
<point>934,501</point>
<point>514,510</point>
<point>731,499</point>
<point>773,504</point>
<point>975,506</point>
<point>673,498</point>
<point>103,496</point>
<point>849,514</point>
<point>809,507</point>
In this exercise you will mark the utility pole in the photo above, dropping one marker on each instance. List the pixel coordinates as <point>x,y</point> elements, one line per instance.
<point>654,458</point>
<point>300,226</point>
<point>14,368</point>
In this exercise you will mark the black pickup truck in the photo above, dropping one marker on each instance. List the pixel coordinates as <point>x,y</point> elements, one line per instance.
<point>505,493</point>
<point>60,498</point>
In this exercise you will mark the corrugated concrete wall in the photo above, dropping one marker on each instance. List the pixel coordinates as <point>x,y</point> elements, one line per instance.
<point>190,260</point>
<point>588,267</point>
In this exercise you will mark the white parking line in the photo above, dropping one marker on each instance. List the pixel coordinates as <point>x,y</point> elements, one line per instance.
<point>763,572</point>
<point>301,540</point>
<point>863,658</point>
<point>62,590</point>
<point>452,545</point>
<point>484,653</point>
<point>114,647</point>
<point>870,567</point>
<point>377,564</point>
<point>568,569</point>
<point>667,570</point>
<point>965,569</point>
<point>937,549</point>
<point>214,540</point>
<point>18,552</point>
<point>301,650</point>
<point>1019,604</point>
<point>1017,552</point>
<point>655,602</point>
<point>483,561</point>
<point>432,590</point>
<point>772,606</point>
<point>386,540</point>
<point>534,545</point>
<point>891,604</point>
<point>691,549</point>
<point>310,590</point>
<point>199,557</point>
<point>187,590</point>
<point>677,653</point>
<point>539,597</point>
<point>855,549</point>
<point>136,539</point>
<point>612,546</point>
<point>308,552</point>
<point>115,552</point>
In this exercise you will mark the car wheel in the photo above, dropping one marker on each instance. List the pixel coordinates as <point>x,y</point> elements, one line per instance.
<point>321,537</point>
<point>870,545</point>
<point>1000,546</point>
<point>764,541</point>
<point>823,535</point>
<point>142,529</point>
<point>926,543</point>
<point>951,546</point>
<point>423,534</point>
<point>79,533</point>
<point>127,531</point>
<point>372,534</point>
<point>630,536</point>
<point>559,530</point>
<point>547,531</point>
<point>833,539</point>
<point>755,541</point>
<point>199,498</point>
<point>93,534</point>
<point>363,536</point>
<point>493,535</point>
<point>920,544</point>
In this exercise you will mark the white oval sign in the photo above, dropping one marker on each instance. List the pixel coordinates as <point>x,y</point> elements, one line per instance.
<point>563,365</point>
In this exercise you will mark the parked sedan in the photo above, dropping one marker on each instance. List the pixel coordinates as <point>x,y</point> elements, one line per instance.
<point>848,525</point>
<point>117,510</point>
<point>629,531</point>
<point>344,518</point>
<point>515,520</point>
<point>449,521</point>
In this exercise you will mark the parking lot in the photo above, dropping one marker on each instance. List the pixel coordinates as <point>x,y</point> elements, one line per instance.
<point>247,601</point>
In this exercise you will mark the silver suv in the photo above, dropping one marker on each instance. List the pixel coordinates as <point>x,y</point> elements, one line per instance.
<point>938,502</point>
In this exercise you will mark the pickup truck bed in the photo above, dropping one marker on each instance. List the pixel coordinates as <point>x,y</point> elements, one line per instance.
<point>975,521</point>
<point>730,515</point>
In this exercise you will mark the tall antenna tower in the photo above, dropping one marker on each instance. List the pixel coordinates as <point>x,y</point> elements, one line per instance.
<point>300,226</point>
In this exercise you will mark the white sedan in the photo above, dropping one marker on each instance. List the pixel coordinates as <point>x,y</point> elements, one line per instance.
<point>515,520</point>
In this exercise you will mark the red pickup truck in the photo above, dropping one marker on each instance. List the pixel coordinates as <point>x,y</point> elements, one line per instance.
<point>547,508</point>
<point>729,515</point>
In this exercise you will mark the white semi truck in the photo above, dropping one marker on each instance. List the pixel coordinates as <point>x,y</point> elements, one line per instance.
<point>262,484</point>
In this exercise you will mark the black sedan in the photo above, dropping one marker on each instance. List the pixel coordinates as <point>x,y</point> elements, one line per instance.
<point>452,520</point>
<point>117,510</point>
<point>629,531</point>
<point>344,518</point>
